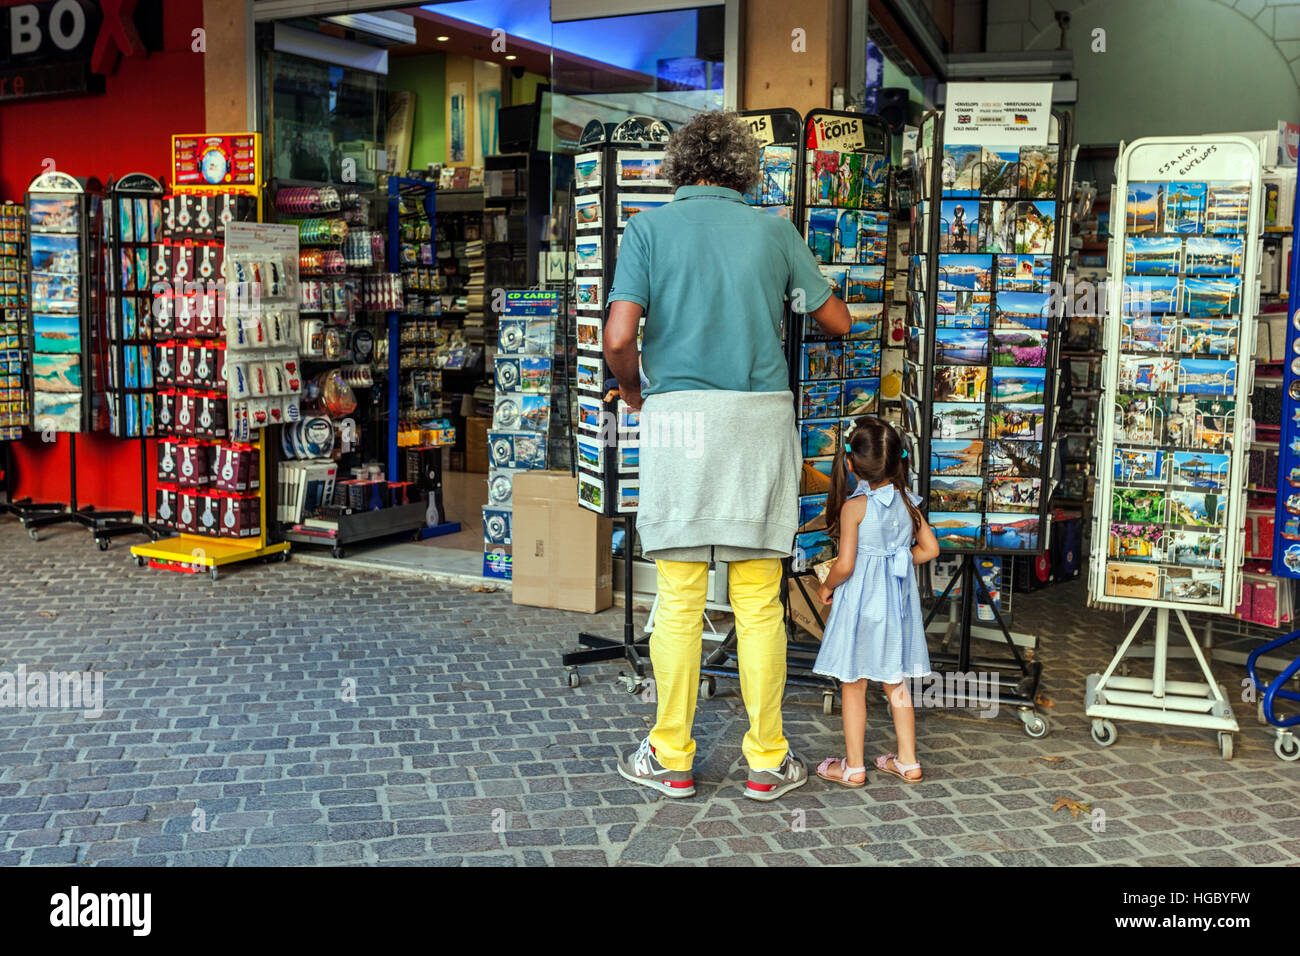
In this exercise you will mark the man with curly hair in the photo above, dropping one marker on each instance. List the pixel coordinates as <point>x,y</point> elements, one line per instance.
<point>720,457</point>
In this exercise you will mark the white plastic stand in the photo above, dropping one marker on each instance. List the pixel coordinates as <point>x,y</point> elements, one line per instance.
<point>1158,700</point>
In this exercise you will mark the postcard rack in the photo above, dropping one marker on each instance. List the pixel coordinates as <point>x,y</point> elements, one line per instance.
<point>1169,513</point>
<point>989,234</point>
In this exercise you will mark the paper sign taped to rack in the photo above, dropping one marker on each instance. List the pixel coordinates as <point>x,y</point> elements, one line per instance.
<point>1009,114</point>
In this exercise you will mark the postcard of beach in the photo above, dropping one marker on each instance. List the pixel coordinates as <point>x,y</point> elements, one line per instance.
<point>861,396</point>
<point>955,494</point>
<point>1204,297</point>
<point>1184,207</point>
<point>812,513</point>
<point>590,453</point>
<point>865,284</point>
<point>1018,459</point>
<point>586,212</point>
<point>1209,336</point>
<point>1196,509</point>
<point>1023,310</point>
<point>1038,171</point>
<point>1020,347</point>
<point>835,275</point>
<point>862,358</point>
<point>821,360</point>
<point>815,477</point>
<point>1139,464</point>
<point>1145,207</point>
<point>1201,469</point>
<point>867,320</point>
<point>956,530</point>
<point>637,168</point>
<point>1227,205</point>
<point>629,204</point>
<point>960,383</point>
<point>819,438</point>
<point>813,547</point>
<point>958,225</point>
<point>1001,173</point>
<point>586,170</point>
<point>1015,384</point>
<point>1151,294</point>
<point>956,457</point>
<point>629,459</point>
<point>997,233</point>
<point>1152,255</point>
<point>587,252</point>
<point>961,170</point>
<point>1207,376</point>
<point>965,273</point>
<point>1015,420</point>
<point>1014,494</point>
<point>820,399</point>
<point>53,332</point>
<point>1011,531</point>
<point>56,372</point>
<point>1035,226</point>
<point>589,369</point>
<point>961,347</point>
<point>1134,581</point>
<point>1139,505</point>
<point>956,420</point>
<point>1206,256</point>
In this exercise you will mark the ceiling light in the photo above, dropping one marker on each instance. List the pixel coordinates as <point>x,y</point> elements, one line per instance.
<point>442,39</point>
<point>510,56</point>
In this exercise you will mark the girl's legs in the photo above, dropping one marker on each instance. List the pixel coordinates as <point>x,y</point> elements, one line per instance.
<point>900,705</point>
<point>854,703</point>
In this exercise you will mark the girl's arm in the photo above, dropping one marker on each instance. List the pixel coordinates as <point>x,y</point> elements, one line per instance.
<point>927,545</point>
<point>850,515</point>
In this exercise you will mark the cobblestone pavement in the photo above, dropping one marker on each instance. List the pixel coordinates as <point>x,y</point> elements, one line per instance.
<point>465,746</point>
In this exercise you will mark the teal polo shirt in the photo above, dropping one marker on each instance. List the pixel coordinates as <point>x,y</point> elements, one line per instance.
<point>713,275</point>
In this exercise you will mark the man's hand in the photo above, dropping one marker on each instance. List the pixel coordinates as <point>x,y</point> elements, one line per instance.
<point>824,594</point>
<point>632,396</point>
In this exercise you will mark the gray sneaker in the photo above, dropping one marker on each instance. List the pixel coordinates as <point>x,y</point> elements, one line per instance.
<point>643,767</point>
<point>770,784</point>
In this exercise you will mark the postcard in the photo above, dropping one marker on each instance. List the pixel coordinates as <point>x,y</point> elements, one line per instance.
<point>812,548</point>
<point>1206,256</point>
<point>1144,208</point>
<point>812,513</point>
<point>862,358</point>
<point>861,396</point>
<point>1019,347</point>
<point>955,494</point>
<point>1016,384</point>
<point>1136,542</point>
<point>965,273</point>
<point>961,347</point>
<point>821,360</point>
<point>640,168</point>
<point>590,453</point>
<point>628,459</point>
<point>960,383</point>
<point>586,212</point>
<point>1151,294</point>
<point>1139,465</point>
<point>1209,336</point>
<point>1207,376</point>
<point>874,180</point>
<point>961,170</point>
<point>1184,207</point>
<point>1204,297</point>
<point>1038,171</point>
<point>51,214</point>
<point>590,413</point>
<point>1015,459</point>
<point>820,438</point>
<point>1141,332</point>
<point>1014,420</point>
<point>1035,225</point>
<point>821,231</point>
<point>1134,581</point>
<point>815,477</point>
<point>836,275</point>
<point>57,372</point>
<point>1202,549</point>
<point>866,320</point>
<point>1146,374</point>
<point>589,374</point>
<point>997,231</point>
<point>1152,255</point>
<point>1227,206</point>
<point>1024,273</point>
<point>1213,420</point>
<point>1023,310</point>
<point>957,530</point>
<point>629,495</point>
<point>958,225</point>
<point>956,457</point>
<point>587,252</point>
<point>589,333</point>
<point>1196,509</point>
<point>591,493</point>
<point>864,284</point>
<point>586,170</point>
<point>1014,494</point>
<point>957,420</point>
<point>588,292</point>
<point>821,400</point>
<point>1193,585</point>
<point>823,175</point>
<point>1011,531</point>
<point>56,411</point>
<point>778,175</point>
<point>52,292</point>
<point>1000,175</point>
<point>55,253</point>
<point>56,332</point>
<point>1138,505</point>
<point>1200,469</point>
<point>630,204</point>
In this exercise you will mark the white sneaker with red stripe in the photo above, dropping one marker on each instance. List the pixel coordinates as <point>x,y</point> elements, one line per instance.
<point>770,784</point>
<point>643,767</point>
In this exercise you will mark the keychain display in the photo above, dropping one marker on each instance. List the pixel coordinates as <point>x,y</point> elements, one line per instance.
<point>15,323</point>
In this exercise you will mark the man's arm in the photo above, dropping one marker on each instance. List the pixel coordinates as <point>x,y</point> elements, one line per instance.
<point>621,352</point>
<point>833,316</point>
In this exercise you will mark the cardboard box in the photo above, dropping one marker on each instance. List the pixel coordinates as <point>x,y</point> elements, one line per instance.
<point>561,551</point>
<point>806,611</point>
<point>476,447</point>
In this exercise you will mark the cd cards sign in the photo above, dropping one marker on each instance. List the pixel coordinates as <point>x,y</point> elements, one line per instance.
<point>1010,114</point>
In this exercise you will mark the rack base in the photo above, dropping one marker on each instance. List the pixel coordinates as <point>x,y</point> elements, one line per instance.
<point>211,553</point>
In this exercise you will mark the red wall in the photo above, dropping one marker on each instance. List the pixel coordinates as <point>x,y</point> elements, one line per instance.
<point>127,129</point>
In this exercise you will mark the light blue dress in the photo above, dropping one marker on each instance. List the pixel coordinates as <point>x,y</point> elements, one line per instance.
<point>875,629</point>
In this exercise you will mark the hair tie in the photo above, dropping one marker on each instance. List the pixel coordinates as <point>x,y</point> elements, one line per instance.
<point>848,448</point>
<point>904,453</point>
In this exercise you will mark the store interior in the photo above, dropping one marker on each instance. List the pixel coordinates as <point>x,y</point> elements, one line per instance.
<point>426,203</point>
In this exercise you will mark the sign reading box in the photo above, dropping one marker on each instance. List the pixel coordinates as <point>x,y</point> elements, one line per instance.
<point>561,551</point>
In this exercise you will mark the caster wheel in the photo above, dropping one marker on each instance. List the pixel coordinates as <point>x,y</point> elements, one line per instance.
<point>1036,726</point>
<point>708,688</point>
<point>101,543</point>
<point>574,678</point>
<point>828,704</point>
<point>283,557</point>
<point>1103,732</point>
<point>214,572</point>
<point>1225,745</point>
<point>336,552</point>
<point>1287,748</point>
<point>34,534</point>
<point>139,561</point>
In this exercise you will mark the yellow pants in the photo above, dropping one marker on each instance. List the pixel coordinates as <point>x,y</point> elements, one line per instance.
<point>675,649</point>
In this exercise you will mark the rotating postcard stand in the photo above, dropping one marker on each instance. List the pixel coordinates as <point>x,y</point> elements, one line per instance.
<point>979,384</point>
<point>131,225</point>
<point>67,328</point>
<point>617,174</point>
<point>1170,507</point>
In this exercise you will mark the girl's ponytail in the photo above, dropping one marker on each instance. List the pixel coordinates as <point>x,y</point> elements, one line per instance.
<point>837,492</point>
<point>901,485</point>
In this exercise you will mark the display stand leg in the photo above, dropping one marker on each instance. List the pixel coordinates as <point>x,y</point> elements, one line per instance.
<point>105,533</point>
<point>1158,700</point>
<point>635,652</point>
<point>1011,682</point>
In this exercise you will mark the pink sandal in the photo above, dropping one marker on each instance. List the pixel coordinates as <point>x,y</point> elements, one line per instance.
<point>899,770</point>
<point>845,770</point>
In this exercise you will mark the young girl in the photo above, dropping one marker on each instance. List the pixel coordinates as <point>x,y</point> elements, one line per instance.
<point>874,631</point>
